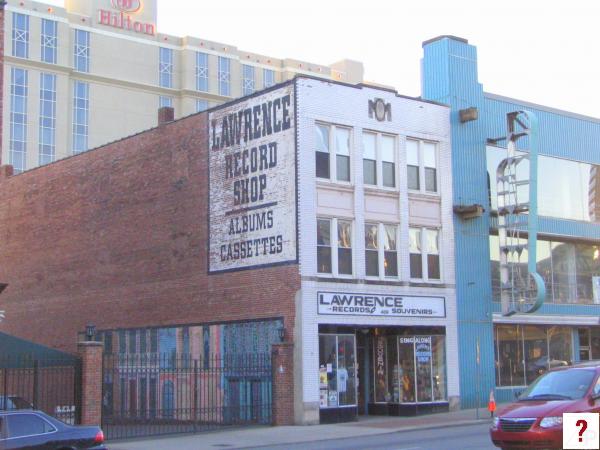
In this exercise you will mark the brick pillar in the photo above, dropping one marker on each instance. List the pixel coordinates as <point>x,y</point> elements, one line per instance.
<point>283,383</point>
<point>91,382</point>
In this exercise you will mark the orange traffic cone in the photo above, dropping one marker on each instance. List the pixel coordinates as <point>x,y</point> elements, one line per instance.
<point>492,404</point>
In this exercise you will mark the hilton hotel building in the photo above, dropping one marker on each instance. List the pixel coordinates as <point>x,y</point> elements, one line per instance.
<point>97,70</point>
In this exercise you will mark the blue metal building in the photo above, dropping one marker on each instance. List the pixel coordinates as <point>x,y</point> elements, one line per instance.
<point>498,352</point>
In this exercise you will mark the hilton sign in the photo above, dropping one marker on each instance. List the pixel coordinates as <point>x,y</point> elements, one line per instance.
<point>120,17</point>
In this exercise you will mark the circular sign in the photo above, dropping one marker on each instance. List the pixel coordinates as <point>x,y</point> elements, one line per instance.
<point>129,6</point>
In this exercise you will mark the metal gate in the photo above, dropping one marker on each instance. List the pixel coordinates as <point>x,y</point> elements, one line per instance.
<point>150,394</point>
<point>52,385</point>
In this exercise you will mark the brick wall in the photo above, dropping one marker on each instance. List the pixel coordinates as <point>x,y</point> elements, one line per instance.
<point>118,237</point>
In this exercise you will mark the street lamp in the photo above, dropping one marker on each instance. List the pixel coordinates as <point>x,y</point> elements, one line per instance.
<point>90,332</point>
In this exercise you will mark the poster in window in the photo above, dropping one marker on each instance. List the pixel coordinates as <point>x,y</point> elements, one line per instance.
<point>252,182</point>
<point>323,398</point>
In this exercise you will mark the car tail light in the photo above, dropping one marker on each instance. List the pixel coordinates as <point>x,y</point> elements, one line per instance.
<point>99,439</point>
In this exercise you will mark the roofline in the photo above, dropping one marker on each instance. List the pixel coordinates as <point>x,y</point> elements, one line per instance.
<point>548,109</point>
<point>444,36</point>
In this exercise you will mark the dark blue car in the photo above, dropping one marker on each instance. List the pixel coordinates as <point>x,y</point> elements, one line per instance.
<point>35,430</point>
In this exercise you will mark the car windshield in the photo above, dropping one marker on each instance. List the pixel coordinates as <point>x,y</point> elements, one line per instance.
<point>559,385</point>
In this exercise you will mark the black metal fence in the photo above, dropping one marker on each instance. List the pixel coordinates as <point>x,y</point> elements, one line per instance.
<point>150,394</point>
<point>47,384</point>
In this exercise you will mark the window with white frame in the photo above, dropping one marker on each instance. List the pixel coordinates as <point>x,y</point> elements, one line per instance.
<point>20,35</point>
<point>81,61</point>
<point>201,71</point>
<point>81,108</point>
<point>247,79</point>
<point>47,129</point>
<point>421,159</point>
<point>424,249</point>
<point>201,105</point>
<point>165,67</point>
<point>334,246</point>
<point>224,76</point>
<point>18,119</point>
<point>381,250</point>
<point>49,41</point>
<point>165,101</point>
<point>268,78</point>
<point>379,159</point>
<point>332,142</point>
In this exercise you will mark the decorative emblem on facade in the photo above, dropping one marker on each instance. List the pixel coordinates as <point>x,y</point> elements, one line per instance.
<point>129,6</point>
<point>380,109</point>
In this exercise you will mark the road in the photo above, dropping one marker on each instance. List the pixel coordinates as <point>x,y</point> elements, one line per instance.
<point>471,437</point>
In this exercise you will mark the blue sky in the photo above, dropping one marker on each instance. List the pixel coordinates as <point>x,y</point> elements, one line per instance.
<point>540,51</point>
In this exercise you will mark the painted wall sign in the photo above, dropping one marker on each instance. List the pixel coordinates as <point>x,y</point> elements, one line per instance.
<point>252,171</point>
<point>121,17</point>
<point>380,109</point>
<point>343,303</point>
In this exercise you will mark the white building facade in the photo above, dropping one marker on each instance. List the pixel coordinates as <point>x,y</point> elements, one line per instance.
<point>376,325</point>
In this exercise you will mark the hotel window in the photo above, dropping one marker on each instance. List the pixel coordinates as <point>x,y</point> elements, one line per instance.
<point>224,76</point>
<point>47,130</point>
<point>20,35</point>
<point>332,142</point>
<point>81,107</point>
<point>379,167</point>
<point>424,254</point>
<point>18,119</point>
<point>201,72</point>
<point>165,101</point>
<point>201,105</point>
<point>421,159</point>
<point>334,246</point>
<point>268,78</point>
<point>82,51</point>
<point>49,32</point>
<point>381,249</point>
<point>247,79</point>
<point>166,67</point>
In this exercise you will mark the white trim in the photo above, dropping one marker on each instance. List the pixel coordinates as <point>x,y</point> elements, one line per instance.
<point>33,13</point>
<point>546,319</point>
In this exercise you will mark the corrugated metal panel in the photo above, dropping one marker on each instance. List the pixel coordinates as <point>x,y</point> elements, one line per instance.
<point>562,136</point>
<point>449,69</point>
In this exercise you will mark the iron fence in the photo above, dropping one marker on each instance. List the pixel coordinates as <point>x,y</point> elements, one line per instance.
<point>151,394</point>
<point>47,384</point>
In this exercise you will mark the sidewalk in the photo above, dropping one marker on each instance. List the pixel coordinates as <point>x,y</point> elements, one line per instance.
<point>263,436</point>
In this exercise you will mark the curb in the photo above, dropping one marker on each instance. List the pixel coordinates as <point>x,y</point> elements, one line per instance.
<point>441,425</point>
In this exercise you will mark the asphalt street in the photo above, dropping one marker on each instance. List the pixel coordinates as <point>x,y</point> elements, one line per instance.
<point>469,437</point>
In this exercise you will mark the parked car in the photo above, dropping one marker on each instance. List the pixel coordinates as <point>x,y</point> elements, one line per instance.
<point>35,430</point>
<point>534,421</point>
<point>14,402</point>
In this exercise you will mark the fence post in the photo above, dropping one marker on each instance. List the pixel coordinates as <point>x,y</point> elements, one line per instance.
<point>283,383</point>
<point>91,382</point>
<point>35,383</point>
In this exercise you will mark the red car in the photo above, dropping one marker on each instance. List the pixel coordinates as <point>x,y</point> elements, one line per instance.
<point>534,421</point>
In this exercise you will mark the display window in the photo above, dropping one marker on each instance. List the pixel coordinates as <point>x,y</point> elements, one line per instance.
<point>337,370</point>
<point>409,369</point>
<point>524,352</point>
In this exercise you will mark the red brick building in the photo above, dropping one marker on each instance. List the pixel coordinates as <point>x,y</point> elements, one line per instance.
<point>118,237</point>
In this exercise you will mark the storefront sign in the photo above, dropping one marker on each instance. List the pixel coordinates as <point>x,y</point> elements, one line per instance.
<point>252,178</point>
<point>121,17</point>
<point>338,303</point>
